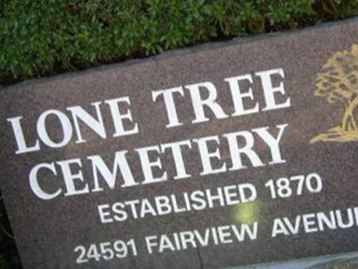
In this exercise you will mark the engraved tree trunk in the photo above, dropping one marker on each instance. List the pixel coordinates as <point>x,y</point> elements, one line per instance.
<point>346,131</point>
<point>349,123</point>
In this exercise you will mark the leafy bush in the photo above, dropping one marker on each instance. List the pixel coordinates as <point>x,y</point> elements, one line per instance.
<point>3,264</point>
<point>46,37</point>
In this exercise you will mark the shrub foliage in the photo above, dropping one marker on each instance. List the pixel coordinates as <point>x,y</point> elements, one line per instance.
<point>46,37</point>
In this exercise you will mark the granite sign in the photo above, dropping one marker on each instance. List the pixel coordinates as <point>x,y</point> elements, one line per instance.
<point>219,156</point>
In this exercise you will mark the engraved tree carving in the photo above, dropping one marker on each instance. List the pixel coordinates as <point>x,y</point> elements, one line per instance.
<point>338,83</point>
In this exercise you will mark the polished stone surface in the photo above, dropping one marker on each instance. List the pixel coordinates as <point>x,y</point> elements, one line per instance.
<point>47,232</point>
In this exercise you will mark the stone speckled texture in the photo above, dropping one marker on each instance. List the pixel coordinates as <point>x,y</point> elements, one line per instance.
<point>47,231</point>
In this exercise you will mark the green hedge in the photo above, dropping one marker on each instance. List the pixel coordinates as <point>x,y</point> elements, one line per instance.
<point>45,37</point>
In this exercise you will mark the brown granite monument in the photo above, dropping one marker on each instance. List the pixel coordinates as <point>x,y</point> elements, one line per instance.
<point>223,155</point>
